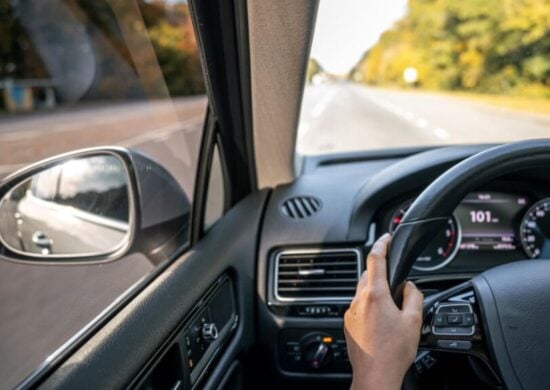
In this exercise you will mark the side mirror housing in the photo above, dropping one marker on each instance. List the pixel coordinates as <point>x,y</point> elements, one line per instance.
<point>92,205</point>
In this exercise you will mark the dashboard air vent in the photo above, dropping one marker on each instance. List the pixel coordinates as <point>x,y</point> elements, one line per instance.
<point>330,274</point>
<point>301,207</point>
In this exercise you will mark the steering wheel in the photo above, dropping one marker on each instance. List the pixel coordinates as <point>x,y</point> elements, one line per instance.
<point>502,315</point>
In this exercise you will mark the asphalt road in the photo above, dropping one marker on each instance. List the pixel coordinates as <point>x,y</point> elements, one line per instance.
<point>167,130</point>
<point>346,117</point>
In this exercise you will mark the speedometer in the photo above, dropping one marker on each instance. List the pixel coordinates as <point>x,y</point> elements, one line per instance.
<point>443,247</point>
<point>535,230</point>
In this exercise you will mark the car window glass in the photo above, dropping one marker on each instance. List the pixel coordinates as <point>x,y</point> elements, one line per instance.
<point>78,74</point>
<point>215,196</point>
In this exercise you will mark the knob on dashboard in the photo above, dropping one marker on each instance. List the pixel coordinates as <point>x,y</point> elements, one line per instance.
<point>316,350</point>
<point>319,357</point>
<point>209,331</point>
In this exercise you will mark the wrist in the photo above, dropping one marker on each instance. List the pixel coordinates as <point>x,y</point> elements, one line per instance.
<point>376,381</point>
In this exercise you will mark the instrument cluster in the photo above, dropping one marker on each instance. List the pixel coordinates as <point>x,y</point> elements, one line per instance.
<point>489,222</point>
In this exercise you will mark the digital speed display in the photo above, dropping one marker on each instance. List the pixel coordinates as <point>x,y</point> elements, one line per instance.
<point>489,220</point>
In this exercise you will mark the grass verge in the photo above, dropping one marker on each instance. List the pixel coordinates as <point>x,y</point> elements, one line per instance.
<point>528,104</point>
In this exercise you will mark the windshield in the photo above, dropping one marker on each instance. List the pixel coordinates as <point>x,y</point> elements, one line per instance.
<point>400,73</point>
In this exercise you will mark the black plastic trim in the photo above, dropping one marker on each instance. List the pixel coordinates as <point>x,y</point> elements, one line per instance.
<point>218,35</point>
<point>407,175</point>
<point>311,163</point>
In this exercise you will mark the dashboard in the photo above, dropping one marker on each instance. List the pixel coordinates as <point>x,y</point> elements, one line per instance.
<point>318,230</point>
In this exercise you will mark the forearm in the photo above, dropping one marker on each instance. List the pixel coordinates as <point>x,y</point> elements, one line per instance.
<point>379,380</point>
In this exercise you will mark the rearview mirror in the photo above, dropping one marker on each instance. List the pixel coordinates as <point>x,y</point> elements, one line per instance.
<point>77,208</point>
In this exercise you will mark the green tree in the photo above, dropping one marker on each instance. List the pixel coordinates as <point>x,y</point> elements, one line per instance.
<point>313,68</point>
<point>496,46</point>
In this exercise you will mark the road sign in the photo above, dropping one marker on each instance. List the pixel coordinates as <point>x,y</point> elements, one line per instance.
<point>410,75</point>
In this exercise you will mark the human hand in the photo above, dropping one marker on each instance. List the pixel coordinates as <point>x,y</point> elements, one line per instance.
<point>382,339</point>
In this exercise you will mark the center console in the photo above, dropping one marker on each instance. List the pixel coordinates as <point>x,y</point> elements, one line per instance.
<point>323,350</point>
<point>308,291</point>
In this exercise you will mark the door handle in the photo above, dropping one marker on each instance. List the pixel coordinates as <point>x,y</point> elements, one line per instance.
<point>41,240</point>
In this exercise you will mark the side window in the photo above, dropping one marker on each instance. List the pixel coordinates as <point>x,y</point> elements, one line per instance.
<point>77,74</point>
<point>216,194</point>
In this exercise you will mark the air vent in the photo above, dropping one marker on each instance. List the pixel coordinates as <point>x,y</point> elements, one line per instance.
<point>317,275</point>
<point>301,207</point>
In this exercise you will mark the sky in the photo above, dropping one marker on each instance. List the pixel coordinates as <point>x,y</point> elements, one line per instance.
<point>345,29</point>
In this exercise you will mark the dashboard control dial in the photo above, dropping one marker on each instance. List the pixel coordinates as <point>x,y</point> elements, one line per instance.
<point>316,350</point>
<point>535,230</point>
<point>443,247</point>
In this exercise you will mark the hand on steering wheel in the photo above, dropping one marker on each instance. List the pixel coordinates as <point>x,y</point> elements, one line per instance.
<point>382,339</point>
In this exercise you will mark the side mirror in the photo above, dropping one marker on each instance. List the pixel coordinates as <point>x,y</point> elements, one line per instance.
<point>92,205</point>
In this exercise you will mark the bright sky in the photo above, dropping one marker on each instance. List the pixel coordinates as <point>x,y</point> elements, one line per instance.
<point>347,28</point>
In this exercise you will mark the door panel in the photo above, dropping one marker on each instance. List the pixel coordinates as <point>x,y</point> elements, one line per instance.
<point>116,353</point>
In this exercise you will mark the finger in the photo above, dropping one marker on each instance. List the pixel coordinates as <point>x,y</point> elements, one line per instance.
<point>376,261</point>
<point>413,301</point>
<point>363,282</point>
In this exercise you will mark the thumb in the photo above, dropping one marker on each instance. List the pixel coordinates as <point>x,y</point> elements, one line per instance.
<point>413,301</point>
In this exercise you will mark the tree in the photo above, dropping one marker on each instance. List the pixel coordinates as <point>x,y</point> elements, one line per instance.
<point>497,46</point>
<point>313,68</point>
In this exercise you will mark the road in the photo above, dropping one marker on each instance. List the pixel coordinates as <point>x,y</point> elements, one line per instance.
<point>347,117</point>
<point>167,130</point>
<point>43,306</point>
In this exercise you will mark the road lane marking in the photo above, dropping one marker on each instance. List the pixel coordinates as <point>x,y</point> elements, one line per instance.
<point>417,121</point>
<point>320,107</point>
<point>57,122</point>
<point>422,123</point>
<point>303,129</point>
<point>159,134</point>
<point>441,133</point>
<point>409,116</point>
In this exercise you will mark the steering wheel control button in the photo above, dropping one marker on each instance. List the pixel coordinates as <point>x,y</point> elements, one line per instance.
<point>453,331</point>
<point>424,361</point>
<point>440,320</point>
<point>468,319</point>
<point>453,319</point>
<point>454,344</point>
<point>454,308</point>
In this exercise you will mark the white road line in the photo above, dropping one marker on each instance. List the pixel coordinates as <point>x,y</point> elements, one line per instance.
<point>441,133</point>
<point>409,116</point>
<point>160,133</point>
<point>303,129</point>
<point>422,123</point>
<point>417,121</point>
<point>320,107</point>
<point>154,135</point>
<point>64,122</point>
